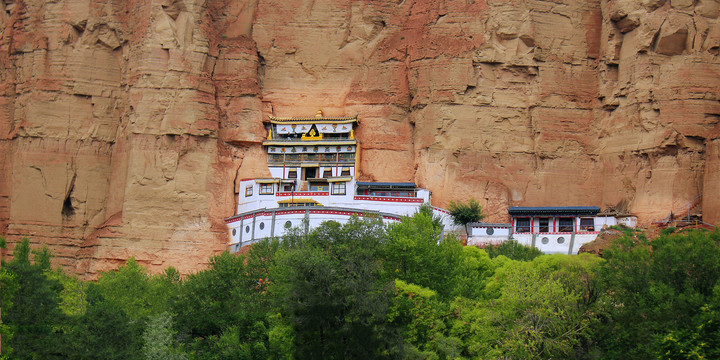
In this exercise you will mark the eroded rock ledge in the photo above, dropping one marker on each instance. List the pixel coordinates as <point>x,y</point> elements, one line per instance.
<point>124,125</point>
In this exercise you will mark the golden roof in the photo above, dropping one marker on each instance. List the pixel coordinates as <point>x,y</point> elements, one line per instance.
<point>319,118</point>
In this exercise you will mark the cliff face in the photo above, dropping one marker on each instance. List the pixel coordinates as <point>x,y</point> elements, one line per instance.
<point>125,124</point>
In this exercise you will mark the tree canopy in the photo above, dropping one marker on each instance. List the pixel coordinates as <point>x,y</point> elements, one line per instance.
<point>371,291</point>
<point>465,213</point>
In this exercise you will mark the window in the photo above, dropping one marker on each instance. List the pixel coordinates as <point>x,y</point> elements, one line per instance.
<point>266,189</point>
<point>338,188</point>
<point>347,157</point>
<point>587,224</point>
<point>276,158</point>
<point>544,225</point>
<point>248,190</point>
<point>403,193</point>
<point>329,157</point>
<point>345,172</point>
<point>565,224</point>
<point>327,173</point>
<point>298,203</point>
<point>522,225</point>
<point>288,187</point>
<point>292,174</point>
<point>318,187</point>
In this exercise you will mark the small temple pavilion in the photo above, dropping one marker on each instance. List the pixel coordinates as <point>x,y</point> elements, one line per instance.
<point>552,229</point>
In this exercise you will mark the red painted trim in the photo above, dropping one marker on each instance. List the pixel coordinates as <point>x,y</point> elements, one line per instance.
<point>389,198</point>
<point>441,210</point>
<point>306,193</point>
<point>316,211</point>
<point>289,212</point>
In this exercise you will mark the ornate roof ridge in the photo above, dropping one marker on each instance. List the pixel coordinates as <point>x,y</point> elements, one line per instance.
<point>314,118</point>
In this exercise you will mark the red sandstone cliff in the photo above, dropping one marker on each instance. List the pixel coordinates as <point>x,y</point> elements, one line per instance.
<point>125,124</point>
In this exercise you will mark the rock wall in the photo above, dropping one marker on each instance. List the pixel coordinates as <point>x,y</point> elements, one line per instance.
<point>125,125</point>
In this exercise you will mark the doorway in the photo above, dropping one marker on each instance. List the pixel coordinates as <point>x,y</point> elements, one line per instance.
<point>310,173</point>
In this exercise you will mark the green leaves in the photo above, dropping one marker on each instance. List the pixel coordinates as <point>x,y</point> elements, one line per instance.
<point>363,290</point>
<point>655,291</point>
<point>465,213</point>
<point>329,285</point>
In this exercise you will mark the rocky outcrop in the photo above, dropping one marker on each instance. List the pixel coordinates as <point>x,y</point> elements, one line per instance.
<point>126,125</point>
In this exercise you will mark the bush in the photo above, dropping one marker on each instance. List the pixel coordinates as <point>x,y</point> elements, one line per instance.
<point>513,250</point>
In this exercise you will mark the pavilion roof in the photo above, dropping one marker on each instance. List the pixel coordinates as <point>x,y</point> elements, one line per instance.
<point>553,210</point>
<point>313,119</point>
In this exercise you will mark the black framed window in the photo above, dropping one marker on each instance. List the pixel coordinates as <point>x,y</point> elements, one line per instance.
<point>565,224</point>
<point>522,225</point>
<point>587,224</point>
<point>543,225</point>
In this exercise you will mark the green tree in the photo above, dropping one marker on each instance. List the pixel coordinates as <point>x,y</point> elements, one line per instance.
<point>471,273</point>
<point>35,319</point>
<point>416,253</point>
<point>656,290</point>
<point>8,287</point>
<point>135,291</point>
<point>105,331</point>
<point>73,301</point>
<point>420,315</point>
<point>536,314</point>
<point>224,309</point>
<point>513,250</point>
<point>110,316</point>
<point>330,286</point>
<point>159,342</point>
<point>465,213</point>
<point>699,341</point>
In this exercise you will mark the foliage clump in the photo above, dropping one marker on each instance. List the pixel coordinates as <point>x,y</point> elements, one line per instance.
<point>513,250</point>
<point>371,291</point>
<point>465,213</point>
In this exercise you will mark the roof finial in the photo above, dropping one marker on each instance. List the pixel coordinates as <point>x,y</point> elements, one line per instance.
<point>319,113</point>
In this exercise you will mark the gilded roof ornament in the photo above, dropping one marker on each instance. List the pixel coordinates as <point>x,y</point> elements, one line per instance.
<point>319,117</point>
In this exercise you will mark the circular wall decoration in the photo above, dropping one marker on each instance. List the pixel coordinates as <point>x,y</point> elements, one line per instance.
<point>545,240</point>
<point>262,225</point>
<point>288,224</point>
<point>490,231</point>
<point>247,229</point>
<point>561,240</point>
<point>234,232</point>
